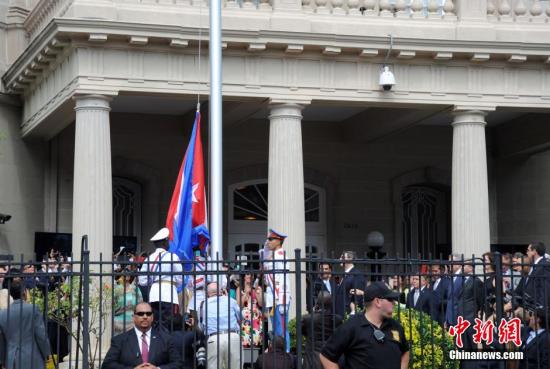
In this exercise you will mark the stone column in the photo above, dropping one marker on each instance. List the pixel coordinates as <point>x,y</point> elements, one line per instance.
<point>470,198</point>
<point>92,192</point>
<point>286,212</point>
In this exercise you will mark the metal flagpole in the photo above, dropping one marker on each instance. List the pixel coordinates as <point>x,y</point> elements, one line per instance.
<point>216,163</point>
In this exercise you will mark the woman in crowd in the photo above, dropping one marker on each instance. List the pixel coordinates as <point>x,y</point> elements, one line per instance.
<point>489,288</point>
<point>126,297</point>
<point>249,297</point>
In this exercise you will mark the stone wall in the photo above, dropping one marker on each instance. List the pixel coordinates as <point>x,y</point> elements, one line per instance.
<point>524,199</point>
<point>21,183</point>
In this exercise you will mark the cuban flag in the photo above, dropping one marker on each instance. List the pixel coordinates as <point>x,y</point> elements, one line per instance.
<point>187,215</point>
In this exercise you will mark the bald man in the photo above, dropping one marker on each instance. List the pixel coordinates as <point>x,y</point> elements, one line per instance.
<point>221,320</point>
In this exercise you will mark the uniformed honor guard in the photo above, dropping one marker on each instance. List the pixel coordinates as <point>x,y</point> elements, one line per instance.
<point>276,278</point>
<point>372,340</point>
<point>162,272</point>
<point>196,285</point>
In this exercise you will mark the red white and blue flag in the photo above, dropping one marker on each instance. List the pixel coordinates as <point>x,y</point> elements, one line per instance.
<point>187,216</point>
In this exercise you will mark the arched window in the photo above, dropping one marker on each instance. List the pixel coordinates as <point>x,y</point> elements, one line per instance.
<point>250,202</point>
<point>247,224</point>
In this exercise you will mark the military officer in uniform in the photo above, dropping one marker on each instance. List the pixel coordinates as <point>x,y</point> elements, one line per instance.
<point>276,277</point>
<point>162,272</point>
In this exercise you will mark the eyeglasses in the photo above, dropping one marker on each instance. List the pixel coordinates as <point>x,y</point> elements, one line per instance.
<point>143,313</point>
<point>272,238</point>
<point>378,335</point>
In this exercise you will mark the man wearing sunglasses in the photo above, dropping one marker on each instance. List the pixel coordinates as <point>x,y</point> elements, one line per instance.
<point>372,340</point>
<point>142,347</point>
<point>277,295</point>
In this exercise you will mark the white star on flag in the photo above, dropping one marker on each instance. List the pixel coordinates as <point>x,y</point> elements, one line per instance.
<point>193,197</point>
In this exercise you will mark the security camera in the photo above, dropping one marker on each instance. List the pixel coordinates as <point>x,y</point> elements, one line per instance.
<point>4,218</point>
<point>387,79</point>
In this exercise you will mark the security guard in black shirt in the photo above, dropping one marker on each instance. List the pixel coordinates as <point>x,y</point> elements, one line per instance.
<point>372,340</point>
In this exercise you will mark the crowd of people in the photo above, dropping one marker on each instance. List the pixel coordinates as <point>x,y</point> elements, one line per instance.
<point>168,314</point>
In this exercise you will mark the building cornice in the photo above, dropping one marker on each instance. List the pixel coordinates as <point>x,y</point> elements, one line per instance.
<point>57,34</point>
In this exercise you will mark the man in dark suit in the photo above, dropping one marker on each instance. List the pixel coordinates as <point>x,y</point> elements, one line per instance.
<point>454,289</point>
<point>470,298</point>
<point>537,282</point>
<point>323,282</point>
<point>142,347</point>
<point>421,298</point>
<point>349,292</point>
<point>440,287</point>
<point>469,304</point>
<point>23,340</point>
<point>536,343</point>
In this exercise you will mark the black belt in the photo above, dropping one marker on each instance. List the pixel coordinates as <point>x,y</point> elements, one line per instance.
<point>222,332</point>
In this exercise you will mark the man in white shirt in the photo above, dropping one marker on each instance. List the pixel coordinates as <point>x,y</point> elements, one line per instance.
<point>142,347</point>
<point>162,271</point>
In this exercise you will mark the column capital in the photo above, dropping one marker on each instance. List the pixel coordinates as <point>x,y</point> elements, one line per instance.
<point>94,102</point>
<point>457,109</point>
<point>283,101</point>
<point>286,109</point>
<point>471,114</point>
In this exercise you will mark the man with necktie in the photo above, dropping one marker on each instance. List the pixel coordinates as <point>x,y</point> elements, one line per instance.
<point>322,283</point>
<point>142,347</point>
<point>421,298</point>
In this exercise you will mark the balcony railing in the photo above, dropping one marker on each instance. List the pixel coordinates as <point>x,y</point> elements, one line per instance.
<point>501,11</point>
<point>436,9</point>
<point>534,11</point>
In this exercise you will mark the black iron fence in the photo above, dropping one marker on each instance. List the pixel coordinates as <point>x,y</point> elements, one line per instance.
<point>279,312</point>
